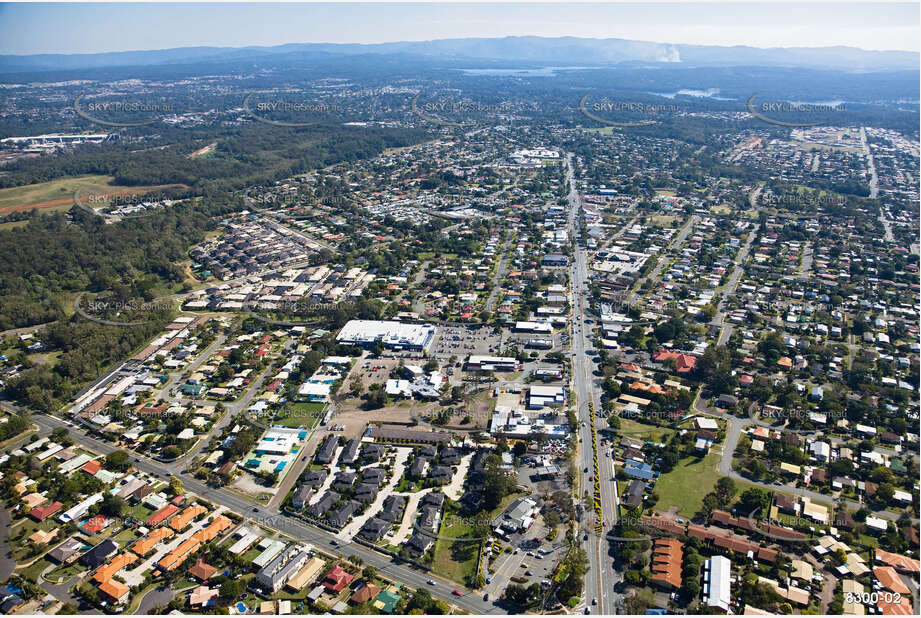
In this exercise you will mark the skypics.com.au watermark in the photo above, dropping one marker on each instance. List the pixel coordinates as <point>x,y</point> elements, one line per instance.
<point>123,114</point>
<point>453,520</point>
<point>636,114</point>
<point>288,112</point>
<point>122,206</point>
<point>768,112</point>
<point>297,308</point>
<point>112,311</point>
<point>797,199</point>
<point>457,113</point>
<point>774,414</point>
<point>645,529</point>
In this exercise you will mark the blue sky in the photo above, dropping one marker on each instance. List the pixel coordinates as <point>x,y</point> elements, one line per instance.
<point>84,28</point>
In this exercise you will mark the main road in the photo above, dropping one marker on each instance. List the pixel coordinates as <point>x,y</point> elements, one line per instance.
<point>271,518</point>
<point>602,577</point>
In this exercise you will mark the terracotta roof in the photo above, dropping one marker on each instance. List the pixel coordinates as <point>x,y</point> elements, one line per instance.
<point>902,608</point>
<point>902,563</point>
<point>153,538</point>
<point>365,593</point>
<point>666,562</point>
<point>890,580</point>
<point>202,571</point>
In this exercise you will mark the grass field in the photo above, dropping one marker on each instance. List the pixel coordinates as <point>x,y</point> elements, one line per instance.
<point>686,485</point>
<point>602,130</point>
<point>300,415</point>
<point>456,560</point>
<point>58,194</point>
<point>642,431</point>
<point>62,188</point>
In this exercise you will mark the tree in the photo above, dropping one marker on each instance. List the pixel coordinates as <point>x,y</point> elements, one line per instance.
<point>231,589</point>
<point>113,506</point>
<point>754,500</point>
<point>725,490</point>
<point>520,448</point>
<point>118,461</point>
<point>421,599</point>
<point>62,436</point>
<point>496,483</point>
<point>690,588</point>
<point>369,573</point>
<point>175,484</point>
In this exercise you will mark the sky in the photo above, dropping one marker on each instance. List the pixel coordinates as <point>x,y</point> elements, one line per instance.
<point>27,28</point>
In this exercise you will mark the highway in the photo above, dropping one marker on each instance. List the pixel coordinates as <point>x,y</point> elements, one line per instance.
<point>602,577</point>
<point>270,518</point>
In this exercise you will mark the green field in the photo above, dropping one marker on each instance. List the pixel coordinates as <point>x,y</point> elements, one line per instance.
<point>60,189</point>
<point>455,560</point>
<point>300,415</point>
<point>642,431</point>
<point>57,195</point>
<point>686,485</point>
<point>602,130</point>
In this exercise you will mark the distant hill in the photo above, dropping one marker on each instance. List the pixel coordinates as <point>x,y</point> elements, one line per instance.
<point>569,51</point>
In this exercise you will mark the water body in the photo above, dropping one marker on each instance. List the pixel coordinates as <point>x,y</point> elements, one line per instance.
<point>541,72</point>
<point>710,93</point>
<point>834,103</point>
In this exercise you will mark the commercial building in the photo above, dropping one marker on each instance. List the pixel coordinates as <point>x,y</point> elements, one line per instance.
<point>393,335</point>
<point>518,517</point>
<point>541,396</point>
<point>492,363</point>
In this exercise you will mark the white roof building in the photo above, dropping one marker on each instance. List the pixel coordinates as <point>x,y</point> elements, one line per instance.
<point>391,334</point>
<point>717,590</point>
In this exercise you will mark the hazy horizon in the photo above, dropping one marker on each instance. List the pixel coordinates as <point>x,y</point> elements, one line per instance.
<point>146,27</point>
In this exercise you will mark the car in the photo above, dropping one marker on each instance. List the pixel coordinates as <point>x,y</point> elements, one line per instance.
<point>456,593</point>
<point>595,601</point>
<point>431,582</point>
<point>588,610</point>
<point>585,538</point>
<point>486,597</point>
<point>304,458</point>
<point>585,470</point>
<point>255,509</point>
<point>489,580</point>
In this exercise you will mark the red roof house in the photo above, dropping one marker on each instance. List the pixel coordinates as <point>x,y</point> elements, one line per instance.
<point>337,579</point>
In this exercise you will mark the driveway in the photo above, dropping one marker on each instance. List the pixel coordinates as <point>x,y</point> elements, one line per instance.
<point>355,525</point>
